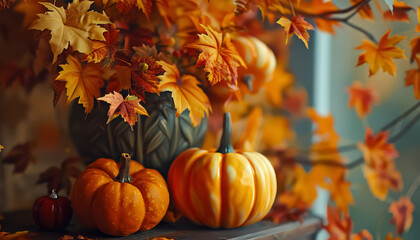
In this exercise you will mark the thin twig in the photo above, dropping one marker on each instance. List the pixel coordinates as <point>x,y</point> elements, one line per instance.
<point>401,117</point>
<point>414,186</point>
<point>365,32</point>
<point>406,128</point>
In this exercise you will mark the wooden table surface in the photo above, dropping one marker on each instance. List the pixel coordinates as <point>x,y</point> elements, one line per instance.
<point>183,229</point>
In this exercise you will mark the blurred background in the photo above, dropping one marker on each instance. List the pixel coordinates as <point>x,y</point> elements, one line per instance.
<point>325,71</point>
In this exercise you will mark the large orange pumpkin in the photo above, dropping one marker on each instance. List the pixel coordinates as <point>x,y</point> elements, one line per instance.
<point>223,188</point>
<point>120,199</point>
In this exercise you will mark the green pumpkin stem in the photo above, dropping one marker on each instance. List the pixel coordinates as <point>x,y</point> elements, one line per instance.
<point>226,141</point>
<point>124,173</point>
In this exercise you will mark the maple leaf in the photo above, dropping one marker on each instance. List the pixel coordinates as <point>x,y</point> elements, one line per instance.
<point>280,213</point>
<point>377,152</point>
<point>402,212</point>
<point>281,81</point>
<point>186,93</point>
<point>276,130</point>
<point>303,193</point>
<point>75,27</point>
<point>218,56</point>
<point>381,55</point>
<point>1,148</point>
<point>325,125</point>
<point>415,48</point>
<point>248,140</point>
<point>125,6</point>
<point>341,194</point>
<point>297,26</point>
<point>140,76</point>
<point>338,228</point>
<point>107,49</point>
<point>295,101</point>
<point>59,178</point>
<point>413,78</point>
<point>20,156</point>
<point>399,13</point>
<point>128,108</point>
<point>381,180</point>
<point>389,237</point>
<point>30,8</point>
<point>362,235</point>
<point>242,6</point>
<point>361,98</point>
<point>341,229</point>
<point>365,12</point>
<point>83,82</point>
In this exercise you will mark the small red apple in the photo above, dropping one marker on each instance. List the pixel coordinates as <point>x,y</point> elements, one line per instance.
<point>52,212</point>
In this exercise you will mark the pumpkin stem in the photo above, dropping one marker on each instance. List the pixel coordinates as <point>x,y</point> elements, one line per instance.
<point>53,194</point>
<point>124,173</point>
<point>226,141</point>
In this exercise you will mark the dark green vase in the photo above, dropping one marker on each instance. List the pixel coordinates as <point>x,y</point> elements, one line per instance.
<point>155,141</point>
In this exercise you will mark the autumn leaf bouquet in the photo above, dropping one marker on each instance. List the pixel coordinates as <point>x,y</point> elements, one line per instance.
<point>209,58</point>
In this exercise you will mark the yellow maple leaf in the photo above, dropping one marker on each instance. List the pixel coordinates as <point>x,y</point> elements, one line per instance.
<point>218,56</point>
<point>185,92</point>
<point>75,26</point>
<point>81,81</point>
<point>1,148</point>
<point>381,55</point>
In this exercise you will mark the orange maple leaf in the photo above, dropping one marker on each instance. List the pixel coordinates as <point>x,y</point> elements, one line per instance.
<point>341,229</point>
<point>140,76</point>
<point>248,140</point>
<point>185,92</point>
<point>303,193</point>
<point>281,81</point>
<point>413,78</point>
<point>399,12</point>
<point>415,48</point>
<point>338,228</point>
<point>107,49</point>
<point>296,26</point>
<point>325,125</point>
<point>361,98</point>
<point>365,12</point>
<point>128,108</point>
<point>381,55</point>
<point>381,180</point>
<point>389,237</point>
<point>341,194</point>
<point>218,56</point>
<point>83,82</point>
<point>402,212</point>
<point>377,152</point>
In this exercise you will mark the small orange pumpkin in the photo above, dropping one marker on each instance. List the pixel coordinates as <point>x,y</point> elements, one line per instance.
<point>224,188</point>
<point>120,199</point>
<point>260,62</point>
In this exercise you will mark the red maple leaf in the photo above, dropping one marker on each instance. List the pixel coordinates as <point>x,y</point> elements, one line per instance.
<point>140,76</point>
<point>59,178</point>
<point>361,98</point>
<point>402,212</point>
<point>20,156</point>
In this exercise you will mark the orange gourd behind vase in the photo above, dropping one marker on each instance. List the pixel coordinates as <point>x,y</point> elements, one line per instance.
<point>260,62</point>
<point>120,199</point>
<point>225,188</point>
